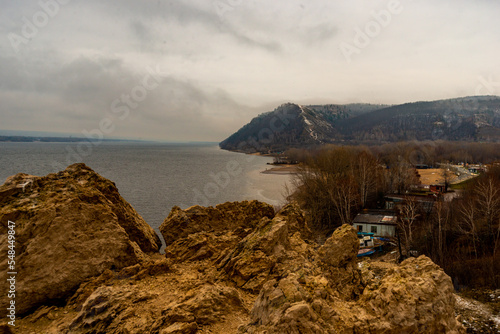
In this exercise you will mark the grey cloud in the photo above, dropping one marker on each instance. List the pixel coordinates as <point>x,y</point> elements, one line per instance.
<point>225,69</point>
<point>321,32</point>
<point>81,93</point>
<point>12,76</point>
<point>184,14</point>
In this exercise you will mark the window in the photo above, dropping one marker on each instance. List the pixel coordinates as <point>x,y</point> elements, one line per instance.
<point>360,228</point>
<point>374,229</point>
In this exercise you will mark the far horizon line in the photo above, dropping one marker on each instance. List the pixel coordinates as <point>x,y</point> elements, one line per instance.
<point>76,138</point>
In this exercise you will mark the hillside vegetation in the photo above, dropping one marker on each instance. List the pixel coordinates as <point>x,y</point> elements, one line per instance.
<point>291,125</point>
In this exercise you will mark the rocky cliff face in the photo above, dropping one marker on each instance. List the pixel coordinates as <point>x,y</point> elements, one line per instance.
<point>240,268</point>
<point>69,226</point>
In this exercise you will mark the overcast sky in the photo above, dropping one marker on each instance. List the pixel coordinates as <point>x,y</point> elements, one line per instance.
<point>200,69</point>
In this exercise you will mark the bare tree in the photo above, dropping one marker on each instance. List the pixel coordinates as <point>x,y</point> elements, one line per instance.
<point>407,219</point>
<point>402,175</point>
<point>497,240</point>
<point>467,224</point>
<point>345,198</point>
<point>367,176</point>
<point>441,219</point>
<point>327,188</point>
<point>488,199</point>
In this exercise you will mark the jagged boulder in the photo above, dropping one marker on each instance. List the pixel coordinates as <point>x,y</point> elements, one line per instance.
<point>296,220</point>
<point>201,306</point>
<point>250,263</point>
<point>69,226</point>
<point>141,299</point>
<point>340,249</point>
<point>338,262</point>
<point>415,297</point>
<point>201,246</point>
<point>326,295</point>
<point>238,217</point>
<point>199,233</point>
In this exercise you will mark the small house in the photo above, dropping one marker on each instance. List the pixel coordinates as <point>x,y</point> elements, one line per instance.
<point>476,169</point>
<point>438,188</point>
<point>425,202</point>
<point>380,224</point>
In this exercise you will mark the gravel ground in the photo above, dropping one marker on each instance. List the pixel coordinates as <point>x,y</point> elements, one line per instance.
<point>479,317</point>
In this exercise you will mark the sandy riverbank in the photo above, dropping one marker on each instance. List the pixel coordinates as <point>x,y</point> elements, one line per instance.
<point>281,169</point>
<point>268,187</point>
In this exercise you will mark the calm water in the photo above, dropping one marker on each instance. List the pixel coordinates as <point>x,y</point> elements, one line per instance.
<point>155,177</point>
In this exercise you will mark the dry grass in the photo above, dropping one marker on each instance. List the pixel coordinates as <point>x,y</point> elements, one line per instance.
<point>433,176</point>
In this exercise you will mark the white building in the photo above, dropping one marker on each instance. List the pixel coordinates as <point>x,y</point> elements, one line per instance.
<point>381,225</point>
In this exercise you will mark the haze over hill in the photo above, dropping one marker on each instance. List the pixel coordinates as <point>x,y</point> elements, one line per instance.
<point>291,125</point>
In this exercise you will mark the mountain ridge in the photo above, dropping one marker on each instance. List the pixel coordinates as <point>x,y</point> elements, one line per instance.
<point>290,125</point>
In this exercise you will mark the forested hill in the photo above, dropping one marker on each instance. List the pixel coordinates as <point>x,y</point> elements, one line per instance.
<point>291,125</point>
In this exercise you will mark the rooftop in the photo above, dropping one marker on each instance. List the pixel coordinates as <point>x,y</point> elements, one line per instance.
<point>375,218</point>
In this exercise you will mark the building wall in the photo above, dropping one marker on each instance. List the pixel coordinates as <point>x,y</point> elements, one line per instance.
<point>379,230</point>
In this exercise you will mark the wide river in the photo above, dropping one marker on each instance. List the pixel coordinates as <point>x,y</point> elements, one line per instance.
<point>153,177</point>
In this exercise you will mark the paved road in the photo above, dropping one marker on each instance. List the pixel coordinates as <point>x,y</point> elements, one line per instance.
<point>464,174</point>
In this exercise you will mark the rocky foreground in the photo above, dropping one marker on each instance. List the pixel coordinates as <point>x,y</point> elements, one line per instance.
<point>88,263</point>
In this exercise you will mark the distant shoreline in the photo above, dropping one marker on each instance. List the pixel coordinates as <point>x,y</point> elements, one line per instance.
<point>31,139</point>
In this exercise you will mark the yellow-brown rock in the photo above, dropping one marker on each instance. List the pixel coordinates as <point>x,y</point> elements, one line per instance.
<point>69,226</point>
<point>235,268</point>
<point>239,217</point>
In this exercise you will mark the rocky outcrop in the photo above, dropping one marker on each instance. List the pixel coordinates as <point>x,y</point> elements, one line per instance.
<point>200,306</point>
<point>250,271</point>
<point>199,233</point>
<point>252,261</point>
<point>151,297</point>
<point>299,299</point>
<point>415,297</point>
<point>304,287</point>
<point>237,217</point>
<point>307,288</point>
<point>69,226</point>
<point>116,307</point>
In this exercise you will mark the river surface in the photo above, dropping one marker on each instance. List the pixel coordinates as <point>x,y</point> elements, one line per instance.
<point>153,177</point>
